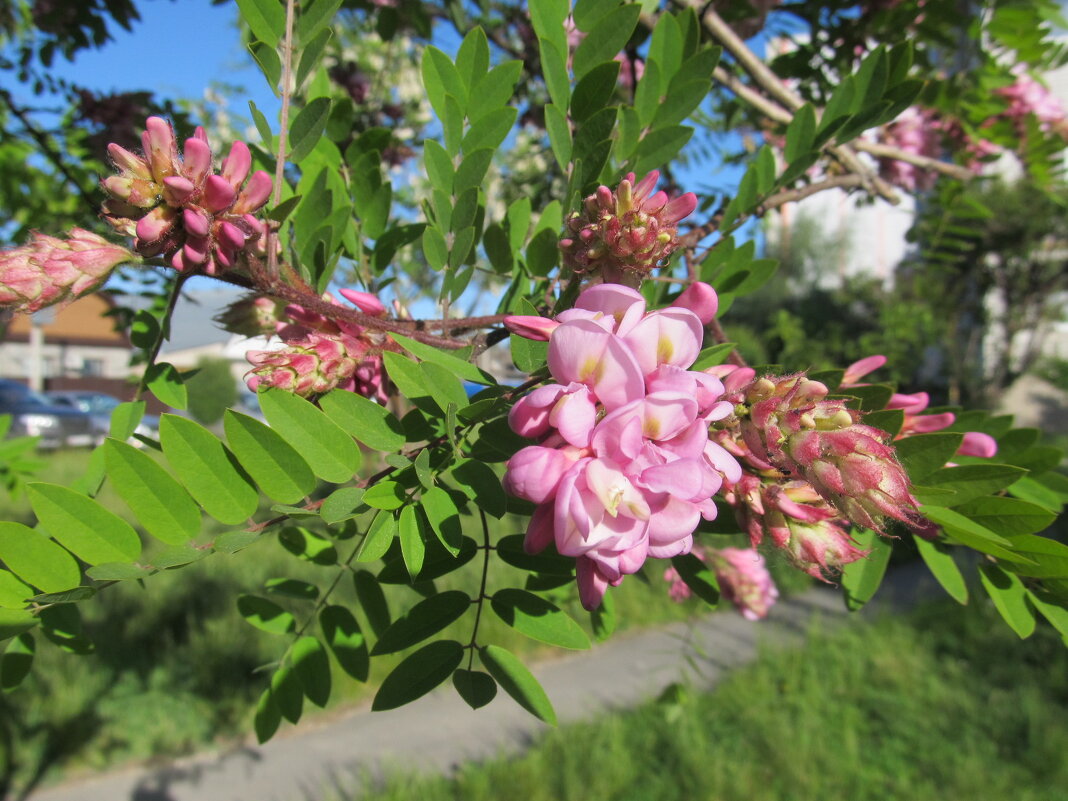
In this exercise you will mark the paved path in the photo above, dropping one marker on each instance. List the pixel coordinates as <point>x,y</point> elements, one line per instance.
<point>440,731</point>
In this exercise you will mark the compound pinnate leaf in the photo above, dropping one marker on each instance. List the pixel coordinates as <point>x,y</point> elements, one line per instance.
<point>208,470</point>
<point>153,495</point>
<point>422,621</point>
<point>37,560</point>
<point>83,526</point>
<point>513,676</point>
<point>418,674</point>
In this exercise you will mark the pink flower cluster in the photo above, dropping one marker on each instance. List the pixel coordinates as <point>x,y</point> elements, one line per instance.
<point>916,131</point>
<point>624,468</point>
<point>50,270</point>
<point>1028,97</point>
<point>321,354</point>
<point>626,233</point>
<point>742,576</point>
<point>178,207</point>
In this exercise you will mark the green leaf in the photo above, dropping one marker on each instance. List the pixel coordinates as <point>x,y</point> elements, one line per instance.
<point>312,667</point>
<point>559,135</point>
<point>330,452</point>
<point>15,621</point>
<point>372,601</point>
<point>307,129</point>
<point>698,577</point>
<point>153,495</point>
<point>554,69</point>
<point>362,418</point>
<point>379,537</point>
<point>1049,556</point>
<point>475,687</point>
<point>682,99</point>
<point>17,661</point>
<point>346,641</point>
<point>118,571</point>
<point>307,545</point>
<point>423,620</point>
<point>262,126</point>
<point>800,134</point>
<point>442,79</point>
<point>921,455</point>
<point>314,17</point>
<point>482,485</point>
<point>456,366</point>
<point>208,470</point>
<point>385,495</point>
<point>311,56</point>
<point>713,355</point>
<point>1052,609</point>
<point>83,526</point>
<point>275,466</point>
<point>287,693</point>
<point>942,566</point>
<point>413,547</point>
<point>265,615</point>
<point>165,382</point>
<point>1010,598</point>
<point>647,96</point>
<point>603,618</point>
<point>660,147</point>
<point>125,418</point>
<point>14,593</point>
<point>37,560</point>
<point>593,92</point>
<point>972,481</point>
<point>269,62</point>
<point>1007,516</point>
<point>444,518</point>
<point>510,550</point>
<point>292,588</point>
<point>342,504</point>
<point>418,674</point>
<point>606,39</point>
<point>267,718</point>
<point>539,619</point>
<point>518,682</point>
<point>486,134</point>
<point>266,19</point>
<point>439,167</point>
<point>437,562</point>
<point>411,381</point>
<point>861,579</point>
<point>493,90</point>
<point>960,528</point>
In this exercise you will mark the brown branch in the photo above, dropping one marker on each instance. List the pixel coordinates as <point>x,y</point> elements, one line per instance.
<point>924,162</point>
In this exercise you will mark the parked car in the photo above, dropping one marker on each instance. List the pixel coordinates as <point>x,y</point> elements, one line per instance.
<point>99,407</point>
<point>34,415</point>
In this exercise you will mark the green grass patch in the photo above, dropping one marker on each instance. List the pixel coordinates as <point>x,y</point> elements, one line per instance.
<point>945,704</point>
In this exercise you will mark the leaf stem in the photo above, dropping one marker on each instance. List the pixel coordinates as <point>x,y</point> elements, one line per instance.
<point>164,332</point>
<point>481,590</point>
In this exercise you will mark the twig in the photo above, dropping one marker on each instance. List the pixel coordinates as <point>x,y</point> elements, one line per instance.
<point>164,332</point>
<point>925,162</point>
<point>280,162</point>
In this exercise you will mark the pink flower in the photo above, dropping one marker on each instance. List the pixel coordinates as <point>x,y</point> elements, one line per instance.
<point>914,131</point>
<point>252,316</point>
<point>744,581</point>
<point>178,207</point>
<point>50,270</point>
<point>624,468</point>
<point>626,233</point>
<point>1028,97</point>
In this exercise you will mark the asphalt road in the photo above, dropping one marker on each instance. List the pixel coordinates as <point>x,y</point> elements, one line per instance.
<point>439,731</point>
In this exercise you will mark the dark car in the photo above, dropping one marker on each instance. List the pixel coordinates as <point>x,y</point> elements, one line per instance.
<point>34,415</point>
<point>99,407</point>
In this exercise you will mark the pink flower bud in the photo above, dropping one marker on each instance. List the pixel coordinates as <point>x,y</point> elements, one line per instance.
<point>744,580</point>
<point>255,193</point>
<point>364,301</point>
<point>50,270</point>
<point>161,148</point>
<point>218,194</point>
<point>177,189</point>
<point>196,162</point>
<point>235,167</point>
<point>701,299</point>
<point>531,327</point>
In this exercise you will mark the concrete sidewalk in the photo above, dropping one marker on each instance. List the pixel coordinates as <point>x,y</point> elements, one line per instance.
<point>440,731</point>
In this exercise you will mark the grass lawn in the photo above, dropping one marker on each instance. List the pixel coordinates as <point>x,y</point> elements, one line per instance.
<point>942,705</point>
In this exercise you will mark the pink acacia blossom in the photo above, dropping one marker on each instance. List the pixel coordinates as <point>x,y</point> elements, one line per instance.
<point>49,270</point>
<point>1027,97</point>
<point>744,580</point>
<point>625,233</point>
<point>914,131</point>
<point>177,206</point>
<point>322,354</point>
<point>623,469</point>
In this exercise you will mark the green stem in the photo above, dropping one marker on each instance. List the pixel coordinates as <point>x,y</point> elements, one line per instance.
<point>164,332</point>
<point>481,590</point>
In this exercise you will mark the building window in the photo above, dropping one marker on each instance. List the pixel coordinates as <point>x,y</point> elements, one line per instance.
<point>92,367</point>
